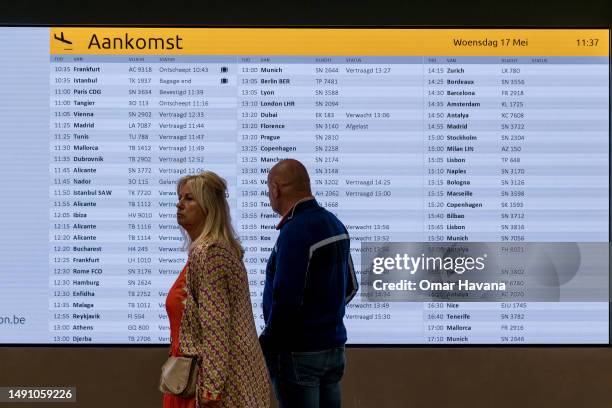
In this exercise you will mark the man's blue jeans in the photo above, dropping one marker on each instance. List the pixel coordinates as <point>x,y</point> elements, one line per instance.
<point>309,379</point>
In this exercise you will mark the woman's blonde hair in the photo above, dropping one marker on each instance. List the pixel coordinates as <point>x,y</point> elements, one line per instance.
<point>209,191</point>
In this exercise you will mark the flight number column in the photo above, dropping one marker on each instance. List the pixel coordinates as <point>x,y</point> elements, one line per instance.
<point>140,80</point>
<point>558,186</point>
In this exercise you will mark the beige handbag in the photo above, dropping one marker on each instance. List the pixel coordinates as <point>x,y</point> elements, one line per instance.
<point>178,376</point>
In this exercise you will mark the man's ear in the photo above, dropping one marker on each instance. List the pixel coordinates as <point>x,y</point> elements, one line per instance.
<point>275,190</point>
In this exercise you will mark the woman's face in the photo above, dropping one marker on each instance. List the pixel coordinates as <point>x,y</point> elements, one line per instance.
<point>189,214</point>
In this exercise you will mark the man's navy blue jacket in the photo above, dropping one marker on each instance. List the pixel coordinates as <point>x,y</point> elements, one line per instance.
<point>309,280</point>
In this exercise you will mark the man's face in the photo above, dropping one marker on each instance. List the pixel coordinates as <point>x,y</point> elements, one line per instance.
<point>273,195</point>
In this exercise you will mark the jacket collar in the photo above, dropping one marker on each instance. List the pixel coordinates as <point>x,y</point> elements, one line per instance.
<point>301,205</point>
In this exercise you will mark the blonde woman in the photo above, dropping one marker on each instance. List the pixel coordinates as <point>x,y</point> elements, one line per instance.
<point>209,305</point>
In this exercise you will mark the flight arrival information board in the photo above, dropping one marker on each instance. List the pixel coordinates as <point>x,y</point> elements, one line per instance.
<point>431,135</point>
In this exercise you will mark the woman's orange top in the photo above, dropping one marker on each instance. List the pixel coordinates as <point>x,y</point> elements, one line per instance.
<point>175,305</point>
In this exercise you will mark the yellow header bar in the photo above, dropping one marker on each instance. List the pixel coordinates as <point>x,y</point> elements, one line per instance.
<point>329,41</point>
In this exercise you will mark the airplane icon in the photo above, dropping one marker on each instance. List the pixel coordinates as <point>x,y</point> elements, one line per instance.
<point>61,38</point>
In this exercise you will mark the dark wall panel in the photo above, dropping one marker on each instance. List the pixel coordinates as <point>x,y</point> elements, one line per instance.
<point>376,378</point>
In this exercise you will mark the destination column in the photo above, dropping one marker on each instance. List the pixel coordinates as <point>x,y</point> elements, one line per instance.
<point>82,201</point>
<point>462,170</point>
<point>272,100</point>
